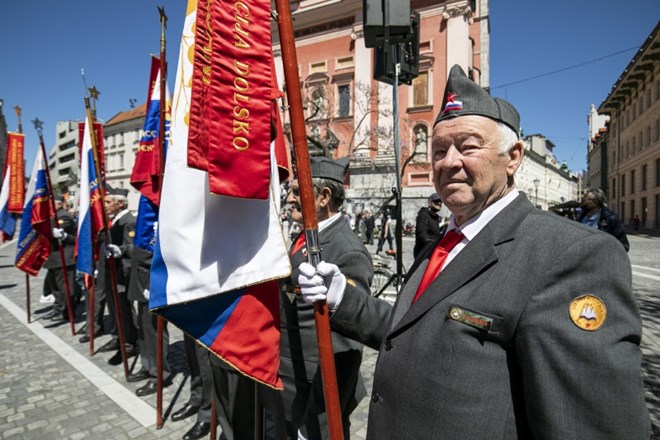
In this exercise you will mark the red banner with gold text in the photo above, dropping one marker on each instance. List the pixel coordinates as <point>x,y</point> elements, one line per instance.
<point>16,162</point>
<point>231,97</point>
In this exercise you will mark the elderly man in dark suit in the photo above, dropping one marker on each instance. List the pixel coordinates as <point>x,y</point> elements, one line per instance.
<point>518,324</point>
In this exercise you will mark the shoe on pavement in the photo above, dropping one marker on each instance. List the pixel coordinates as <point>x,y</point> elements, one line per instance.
<point>139,376</point>
<point>199,430</point>
<point>116,358</point>
<point>85,338</point>
<point>112,345</point>
<point>48,299</point>
<point>151,386</point>
<point>186,411</point>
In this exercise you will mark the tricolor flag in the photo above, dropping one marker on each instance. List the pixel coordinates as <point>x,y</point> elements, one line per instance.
<point>90,212</point>
<point>13,185</point>
<point>452,104</point>
<point>146,176</point>
<point>217,259</point>
<point>35,235</point>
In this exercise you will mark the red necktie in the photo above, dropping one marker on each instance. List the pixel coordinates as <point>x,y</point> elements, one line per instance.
<point>299,243</point>
<point>438,257</point>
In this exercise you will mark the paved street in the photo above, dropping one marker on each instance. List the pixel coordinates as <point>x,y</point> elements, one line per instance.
<point>51,389</point>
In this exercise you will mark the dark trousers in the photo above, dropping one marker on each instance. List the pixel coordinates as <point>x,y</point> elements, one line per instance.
<point>148,336</point>
<point>201,378</point>
<point>103,284</point>
<point>54,283</point>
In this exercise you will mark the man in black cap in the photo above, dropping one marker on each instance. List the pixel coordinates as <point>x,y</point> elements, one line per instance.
<point>517,323</point>
<point>427,225</point>
<point>300,409</point>
<point>64,234</point>
<point>122,233</point>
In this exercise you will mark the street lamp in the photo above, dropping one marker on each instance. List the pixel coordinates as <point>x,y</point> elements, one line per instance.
<point>536,191</point>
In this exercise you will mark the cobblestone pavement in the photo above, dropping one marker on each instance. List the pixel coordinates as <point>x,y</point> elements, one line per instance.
<point>50,388</point>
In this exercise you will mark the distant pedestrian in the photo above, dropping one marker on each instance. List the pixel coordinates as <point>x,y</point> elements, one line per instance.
<point>385,233</point>
<point>369,226</point>
<point>636,222</point>
<point>596,215</point>
<point>427,225</point>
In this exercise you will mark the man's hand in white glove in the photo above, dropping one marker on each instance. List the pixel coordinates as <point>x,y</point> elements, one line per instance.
<point>326,282</point>
<point>145,293</point>
<point>112,250</point>
<point>59,234</point>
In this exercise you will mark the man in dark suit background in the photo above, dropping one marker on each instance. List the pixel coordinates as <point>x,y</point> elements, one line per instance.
<point>525,326</point>
<point>427,224</point>
<point>64,234</point>
<point>299,409</point>
<point>122,234</point>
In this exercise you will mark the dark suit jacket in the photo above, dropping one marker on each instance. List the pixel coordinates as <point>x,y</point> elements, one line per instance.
<point>68,224</point>
<point>534,373</point>
<point>299,356</point>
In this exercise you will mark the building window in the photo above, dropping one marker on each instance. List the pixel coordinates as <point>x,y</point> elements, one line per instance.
<point>420,86</point>
<point>657,130</point>
<point>344,63</point>
<point>344,100</point>
<point>121,160</point>
<point>657,172</point>
<point>421,142</point>
<point>318,67</point>
<point>632,209</point>
<point>613,188</point>
<point>623,185</point>
<point>317,106</point>
<point>644,177</point>
<point>632,182</point>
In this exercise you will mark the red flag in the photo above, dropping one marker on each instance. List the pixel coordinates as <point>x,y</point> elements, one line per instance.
<point>146,171</point>
<point>15,161</point>
<point>230,105</point>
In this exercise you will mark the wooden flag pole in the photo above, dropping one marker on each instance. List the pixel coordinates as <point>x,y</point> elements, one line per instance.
<point>67,290</point>
<point>299,136</point>
<point>110,259</point>
<point>28,307</point>
<point>161,168</point>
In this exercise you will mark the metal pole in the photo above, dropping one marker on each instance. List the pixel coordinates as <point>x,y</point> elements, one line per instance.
<point>397,161</point>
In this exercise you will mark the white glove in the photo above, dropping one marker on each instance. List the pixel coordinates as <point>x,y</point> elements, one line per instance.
<point>145,293</point>
<point>325,282</point>
<point>112,250</point>
<point>59,234</point>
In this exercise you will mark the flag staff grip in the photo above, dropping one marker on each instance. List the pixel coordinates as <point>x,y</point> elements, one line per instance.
<point>65,275</point>
<point>160,324</point>
<point>110,259</point>
<point>299,137</point>
<point>28,304</point>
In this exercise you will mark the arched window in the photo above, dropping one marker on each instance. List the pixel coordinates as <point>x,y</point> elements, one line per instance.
<point>421,142</point>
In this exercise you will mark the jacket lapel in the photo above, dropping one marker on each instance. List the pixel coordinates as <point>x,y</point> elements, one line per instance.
<point>479,254</point>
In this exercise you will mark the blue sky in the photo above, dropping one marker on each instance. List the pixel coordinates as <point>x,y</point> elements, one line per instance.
<point>45,43</point>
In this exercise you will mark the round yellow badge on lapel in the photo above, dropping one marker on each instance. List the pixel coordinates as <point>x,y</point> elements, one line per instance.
<point>131,234</point>
<point>60,221</point>
<point>588,312</point>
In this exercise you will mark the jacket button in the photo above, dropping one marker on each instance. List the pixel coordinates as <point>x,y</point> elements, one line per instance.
<point>375,397</point>
<point>388,345</point>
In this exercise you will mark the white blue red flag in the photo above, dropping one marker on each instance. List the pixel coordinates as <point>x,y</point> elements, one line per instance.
<point>35,235</point>
<point>146,175</point>
<point>217,258</point>
<point>90,212</point>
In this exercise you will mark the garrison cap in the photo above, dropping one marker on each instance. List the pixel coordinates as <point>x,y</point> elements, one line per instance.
<point>434,197</point>
<point>117,192</point>
<point>465,97</point>
<point>326,168</point>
